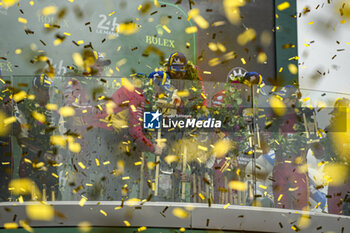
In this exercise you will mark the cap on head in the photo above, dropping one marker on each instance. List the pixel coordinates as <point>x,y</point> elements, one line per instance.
<point>100,60</point>
<point>253,78</point>
<point>177,62</point>
<point>289,92</point>
<point>161,79</point>
<point>42,81</point>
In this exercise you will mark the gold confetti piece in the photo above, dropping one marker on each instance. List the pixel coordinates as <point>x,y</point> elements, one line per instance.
<point>277,106</point>
<point>171,158</point>
<point>237,185</point>
<point>31,3</point>
<point>58,140</point>
<point>97,162</point>
<point>184,93</point>
<point>232,11</point>
<point>126,178</point>
<point>78,60</point>
<point>67,34</point>
<point>180,213</point>
<point>54,175</point>
<point>218,23</point>
<point>312,22</point>
<point>112,13</point>
<point>293,69</point>
<point>336,173</point>
<point>51,107</point>
<point>213,46</point>
<point>8,3</point>
<point>214,62</point>
<point>222,147</point>
<point>227,205</point>
<point>206,72</point>
<point>81,165</point>
<point>40,212</point>
<point>57,42</point>
<point>138,163</point>
<point>142,228</point>
<point>203,148</point>
<point>126,223</point>
<point>85,226</point>
<point>67,111</point>
<point>89,185</point>
<point>20,199</point>
<point>182,229</point>
<point>262,57</point>
<point>283,6</point>
<point>7,121</point>
<point>246,36</point>
<point>342,21</point>
<point>103,212</point>
<point>18,51</point>
<point>201,196</point>
<point>127,84</point>
<point>22,20</point>
<point>39,117</point>
<point>165,27</point>
<point>127,28</point>
<point>280,197</point>
<point>10,225</point>
<point>26,226</point>
<point>139,8</point>
<point>190,30</point>
<point>19,96</point>
<point>221,47</point>
<point>82,201</point>
<point>243,61</point>
<point>156,3</point>
<point>74,147</point>
<point>49,10</point>
<point>293,189</point>
<point>263,186</point>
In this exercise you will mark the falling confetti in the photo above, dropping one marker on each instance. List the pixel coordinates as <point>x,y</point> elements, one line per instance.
<point>40,212</point>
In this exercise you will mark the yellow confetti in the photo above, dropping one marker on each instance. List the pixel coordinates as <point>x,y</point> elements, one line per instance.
<point>263,186</point>
<point>10,225</point>
<point>22,20</point>
<point>138,163</point>
<point>74,147</point>
<point>226,206</point>
<point>283,6</point>
<point>201,196</point>
<point>67,34</point>
<point>182,229</point>
<point>67,111</point>
<point>103,212</point>
<point>243,61</point>
<point>18,51</point>
<point>40,212</point>
<point>222,147</point>
<point>214,62</point>
<point>278,106</point>
<point>280,70</point>
<point>198,19</point>
<point>19,96</point>
<point>25,226</point>
<point>293,69</point>
<point>165,27</point>
<point>51,107</point>
<point>126,178</point>
<point>81,165</point>
<point>127,84</point>
<point>39,117</point>
<point>336,173</point>
<point>126,223</point>
<point>280,197</point>
<point>203,148</point>
<point>78,59</point>
<point>180,213</point>
<point>49,10</point>
<point>237,185</point>
<point>58,140</point>
<point>31,3</point>
<point>142,228</point>
<point>156,3</point>
<point>262,57</point>
<point>127,28</point>
<point>342,21</point>
<point>82,201</point>
<point>8,3</point>
<point>139,8</point>
<point>312,22</point>
<point>112,13</point>
<point>190,30</point>
<point>232,11</point>
<point>54,175</point>
<point>246,36</point>
<point>84,226</point>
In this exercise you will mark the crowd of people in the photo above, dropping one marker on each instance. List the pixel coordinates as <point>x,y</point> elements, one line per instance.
<point>260,156</point>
